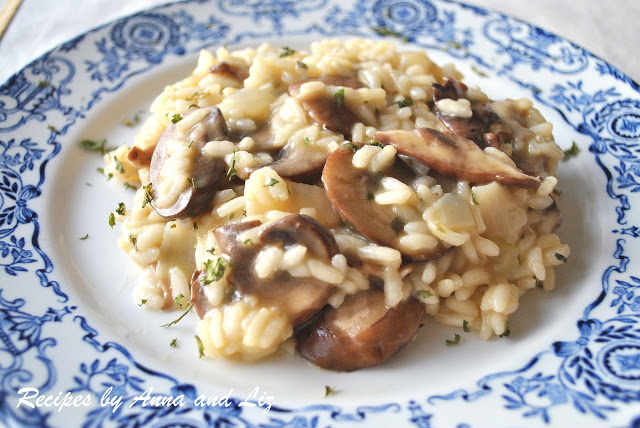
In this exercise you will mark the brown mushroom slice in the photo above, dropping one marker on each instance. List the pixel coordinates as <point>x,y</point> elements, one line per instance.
<point>206,173</point>
<point>140,157</point>
<point>455,156</point>
<point>349,189</point>
<point>300,297</point>
<point>298,162</point>
<point>324,109</point>
<point>361,333</point>
<point>484,127</point>
<point>232,70</point>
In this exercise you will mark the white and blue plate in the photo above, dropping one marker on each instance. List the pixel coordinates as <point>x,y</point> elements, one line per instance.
<point>70,329</point>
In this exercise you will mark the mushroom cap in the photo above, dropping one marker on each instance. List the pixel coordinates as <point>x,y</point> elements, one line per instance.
<point>361,333</point>
<point>455,156</point>
<point>300,297</point>
<point>208,173</point>
<point>348,189</point>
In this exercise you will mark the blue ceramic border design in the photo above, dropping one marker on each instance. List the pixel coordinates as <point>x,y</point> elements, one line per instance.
<point>594,373</point>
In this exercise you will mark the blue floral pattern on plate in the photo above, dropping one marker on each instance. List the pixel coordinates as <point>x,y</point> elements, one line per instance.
<point>594,373</point>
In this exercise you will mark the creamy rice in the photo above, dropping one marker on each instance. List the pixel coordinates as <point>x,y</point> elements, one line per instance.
<point>467,248</point>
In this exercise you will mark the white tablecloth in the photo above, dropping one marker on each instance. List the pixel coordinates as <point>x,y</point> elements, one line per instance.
<point>609,29</point>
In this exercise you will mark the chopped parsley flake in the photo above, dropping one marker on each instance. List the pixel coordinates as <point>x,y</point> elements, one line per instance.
<point>339,97</point>
<point>370,196</point>
<point>134,241</point>
<point>376,143</point>
<point>148,197</point>
<point>286,51</point>
<point>178,299</point>
<point>455,340</point>
<point>454,44</point>
<point>214,272</point>
<point>121,210</point>
<point>42,84</point>
<point>129,186</point>
<point>306,140</point>
<point>397,224</point>
<point>507,331</point>
<point>301,64</point>
<point>465,326</point>
<point>200,347</point>
<point>385,32</point>
<point>94,146</point>
<point>142,302</point>
<point>192,182</point>
<point>571,152</point>
<point>424,293</point>
<point>101,171</point>
<point>407,102</point>
<point>174,342</point>
<point>560,257</point>
<point>271,183</point>
<point>84,237</point>
<point>176,118</point>
<point>247,242</point>
<point>232,168</point>
<point>177,320</point>
<point>351,146</point>
<point>112,220</point>
<point>329,391</point>
<point>131,122</point>
<point>478,71</point>
<point>119,166</point>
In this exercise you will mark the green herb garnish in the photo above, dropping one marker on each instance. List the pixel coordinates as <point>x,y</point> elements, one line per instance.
<point>507,331</point>
<point>131,122</point>
<point>474,198</point>
<point>339,97</point>
<point>271,183</point>
<point>571,152</point>
<point>301,64</point>
<point>232,168</point>
<point>385,32</point>
<point>121,210</point>
<point>328,391</point>
<point>177,320</point>
<point>129,186</point>
<point>94,146</point>
<point>407,102</point>
<point>200,347</point>
<point>177,299</point>
<point>286,51</point>
<point>376,143</point>
<point>112,220</point>
<point>455,340</point>
<point>247,242</point>
<point>214,272</point>
<point>174,342</point>
<point>351,146</point>
<point>148,197</point>
<point>134,241</point>
<point>306,140</point>
<point>424,293</point>
<point>560,257</point>
<point>478,71</point>
<point>192,182</point>
<point>397,224</point>
<point>176,118</point>
<point>370,196</point>
<point>142,302</point>
<point>465,326</point>
<point>84,237</point>
<point>119,166</point>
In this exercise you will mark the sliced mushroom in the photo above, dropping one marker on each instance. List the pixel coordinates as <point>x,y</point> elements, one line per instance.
<point>300,297</point>
<point>349,189</point>
<point>455,156</point>
<point>324,109</point>
<point>298,162</point>
<point>207,173</point>
<point>484,127</point>
<point>233,70</point>
<point>361,333</point>
<point>140,157</point>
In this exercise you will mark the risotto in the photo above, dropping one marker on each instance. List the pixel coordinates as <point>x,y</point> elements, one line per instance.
<point>337,199</point>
